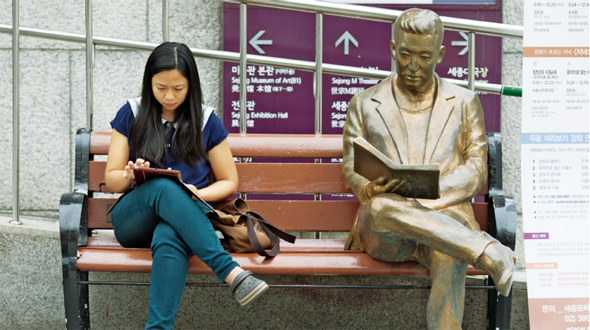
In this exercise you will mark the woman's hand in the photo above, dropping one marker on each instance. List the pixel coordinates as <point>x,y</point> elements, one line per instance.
<point>194,190</point>
<point>128,173</point>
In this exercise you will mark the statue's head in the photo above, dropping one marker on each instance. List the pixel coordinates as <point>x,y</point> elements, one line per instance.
<point>417,46</point>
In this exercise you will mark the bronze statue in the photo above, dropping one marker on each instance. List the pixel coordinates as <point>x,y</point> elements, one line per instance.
<point>415,117</point>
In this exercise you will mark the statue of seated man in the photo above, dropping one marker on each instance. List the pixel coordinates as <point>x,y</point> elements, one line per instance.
<point>415,117</point>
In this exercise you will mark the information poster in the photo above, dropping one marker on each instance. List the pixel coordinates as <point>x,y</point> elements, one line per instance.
<point>555,160</point>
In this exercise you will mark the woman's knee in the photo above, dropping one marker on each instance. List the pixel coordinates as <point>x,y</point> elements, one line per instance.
<point>168,238</point>
<point>162,184</point>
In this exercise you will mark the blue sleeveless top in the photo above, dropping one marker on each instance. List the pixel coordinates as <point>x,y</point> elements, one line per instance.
<point>213,133</point>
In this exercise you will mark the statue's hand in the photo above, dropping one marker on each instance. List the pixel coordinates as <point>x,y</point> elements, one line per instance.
<point>383,185</point>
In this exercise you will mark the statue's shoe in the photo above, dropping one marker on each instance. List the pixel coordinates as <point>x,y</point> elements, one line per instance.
<point>499,262</point>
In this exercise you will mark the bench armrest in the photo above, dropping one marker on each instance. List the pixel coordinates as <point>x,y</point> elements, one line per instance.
<point>73,223</point>
<point>73,207</point>
<point>502,220</point>
<point>82,159</point>
<point>502,210</point>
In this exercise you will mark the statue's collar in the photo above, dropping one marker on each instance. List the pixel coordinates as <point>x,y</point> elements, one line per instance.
<point>391,116</point>
<point>384,92</point>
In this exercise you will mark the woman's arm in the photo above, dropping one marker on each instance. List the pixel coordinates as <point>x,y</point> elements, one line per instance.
<point>226,175</point>
<point>119,170</point>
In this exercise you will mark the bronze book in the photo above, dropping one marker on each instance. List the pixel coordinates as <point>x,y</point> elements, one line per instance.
<point>372,163</point>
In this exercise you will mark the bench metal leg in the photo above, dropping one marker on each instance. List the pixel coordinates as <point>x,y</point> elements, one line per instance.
<point>76,300</point>
<point>73,232</point>
<point>499,308</point>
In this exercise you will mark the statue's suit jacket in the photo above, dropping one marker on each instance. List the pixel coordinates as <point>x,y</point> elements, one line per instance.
<point>456,140</point>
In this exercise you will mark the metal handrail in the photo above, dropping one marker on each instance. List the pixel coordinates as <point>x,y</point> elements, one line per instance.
<point>89,64</point>
<point>386,15</point>
<point>15,115</point>
<point>228,56</point>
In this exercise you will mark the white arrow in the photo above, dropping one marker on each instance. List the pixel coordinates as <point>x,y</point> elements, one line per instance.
<point>255,42</point>
<point>461,43</point>
<point>347,38</point>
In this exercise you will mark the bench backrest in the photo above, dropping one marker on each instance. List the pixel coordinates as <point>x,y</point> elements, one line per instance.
<point>300,172</point>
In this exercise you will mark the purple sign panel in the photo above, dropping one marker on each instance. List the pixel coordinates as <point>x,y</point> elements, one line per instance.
<point>351,42</point>
<point>281,100</point>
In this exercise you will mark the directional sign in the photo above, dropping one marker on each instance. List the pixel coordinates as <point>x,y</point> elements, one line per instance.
<point>256,42</point>
<point>282,100</point>
<point>462,43</point>
<point>347,38</point>
<point>371,50</point>
<point>279,100</point>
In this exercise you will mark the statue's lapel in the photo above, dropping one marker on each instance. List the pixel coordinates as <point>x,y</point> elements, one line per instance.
<point>392,118</point>
<point>440,115</point>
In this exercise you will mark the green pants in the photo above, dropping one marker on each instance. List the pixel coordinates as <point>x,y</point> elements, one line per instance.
<point>160,215</point>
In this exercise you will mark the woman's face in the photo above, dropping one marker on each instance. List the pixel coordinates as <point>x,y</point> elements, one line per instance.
<point>170,89</point>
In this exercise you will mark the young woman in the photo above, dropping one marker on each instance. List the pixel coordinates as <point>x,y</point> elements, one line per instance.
<point>168,127</point>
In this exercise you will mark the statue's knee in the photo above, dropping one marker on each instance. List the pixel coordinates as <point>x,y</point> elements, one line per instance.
<point>389,204</point>
<point>381,212</point>
<point>387,246</point>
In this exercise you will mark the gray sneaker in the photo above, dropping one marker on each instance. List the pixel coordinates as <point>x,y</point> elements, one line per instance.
<point>245,287</point>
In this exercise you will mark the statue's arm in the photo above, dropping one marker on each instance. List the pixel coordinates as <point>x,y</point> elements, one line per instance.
<point>466,180</point>
<point>352,129</point>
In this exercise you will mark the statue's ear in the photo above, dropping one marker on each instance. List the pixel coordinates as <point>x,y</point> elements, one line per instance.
<point>441,54</point>
<point>392,46</point>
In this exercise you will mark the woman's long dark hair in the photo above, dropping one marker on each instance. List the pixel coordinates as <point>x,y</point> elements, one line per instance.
<point>147,135</point>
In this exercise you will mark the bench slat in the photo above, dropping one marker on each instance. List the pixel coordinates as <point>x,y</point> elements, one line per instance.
<point>301,245</point>
<point>287,215</point>
<point>289,178</point>
<point>296,263</point>
<point>286,146</point>
<point>264,178</point>
<point>96,180</point>
<point>256,145</point>
<point>481,214</point>
<point>99,143</point>
<point>307,178</point>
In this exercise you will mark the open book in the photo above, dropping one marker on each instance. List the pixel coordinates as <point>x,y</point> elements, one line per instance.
<point>421,180</point>
<point>142,174</point>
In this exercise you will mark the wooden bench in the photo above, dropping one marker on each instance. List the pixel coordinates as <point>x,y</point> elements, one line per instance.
<point>305,203</point>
